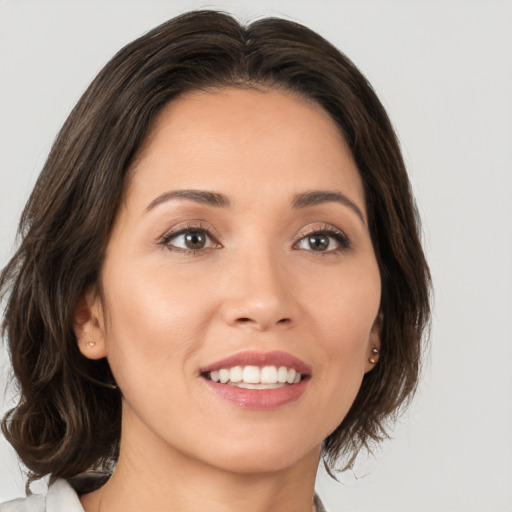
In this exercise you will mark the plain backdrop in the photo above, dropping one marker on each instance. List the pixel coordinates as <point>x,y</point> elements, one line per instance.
<point>443,69</point>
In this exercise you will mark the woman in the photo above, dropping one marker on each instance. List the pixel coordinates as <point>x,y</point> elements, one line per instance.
<point>220,279</point>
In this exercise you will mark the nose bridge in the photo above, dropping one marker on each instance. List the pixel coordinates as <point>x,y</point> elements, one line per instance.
<point>259,293</point>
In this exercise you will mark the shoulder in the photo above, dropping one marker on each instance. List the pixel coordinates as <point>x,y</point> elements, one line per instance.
<point>60,497</point>
<point>34,503</point>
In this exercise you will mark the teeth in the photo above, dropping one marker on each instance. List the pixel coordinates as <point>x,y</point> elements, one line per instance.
<point>236,374</point>
<point>257,386</point>
<point>253,377</point>
<point>282,374</point>
<point>268,375</point>
<point>224,375</point>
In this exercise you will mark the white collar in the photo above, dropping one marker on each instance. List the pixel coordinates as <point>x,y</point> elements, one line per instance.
<point>61,497</point>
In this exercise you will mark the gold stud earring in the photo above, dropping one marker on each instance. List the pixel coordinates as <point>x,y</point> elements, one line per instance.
<point>375,352</point>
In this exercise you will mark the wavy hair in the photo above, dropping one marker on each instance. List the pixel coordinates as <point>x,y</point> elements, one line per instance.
<point>67,419</point>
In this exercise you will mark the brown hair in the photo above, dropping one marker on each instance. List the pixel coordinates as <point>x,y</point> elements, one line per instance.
<point>67,420</point>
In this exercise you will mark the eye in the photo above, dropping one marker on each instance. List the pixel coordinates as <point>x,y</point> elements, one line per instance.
<point>193,240</point>
<point>190,239</point>
<point>324,241</point>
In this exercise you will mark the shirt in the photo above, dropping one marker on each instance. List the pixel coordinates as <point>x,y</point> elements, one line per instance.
<point>61,497</point>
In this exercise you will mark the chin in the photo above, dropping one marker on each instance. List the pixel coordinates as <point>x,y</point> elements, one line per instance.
<point>262,454</point>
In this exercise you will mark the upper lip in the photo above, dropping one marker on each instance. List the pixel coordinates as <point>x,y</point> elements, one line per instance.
<point>255,358</point>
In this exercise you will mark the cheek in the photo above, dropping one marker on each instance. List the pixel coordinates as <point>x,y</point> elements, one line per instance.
<point>152,325</point>
<point>151,298</point>
<point>344,321</point>
<point>347,310</point>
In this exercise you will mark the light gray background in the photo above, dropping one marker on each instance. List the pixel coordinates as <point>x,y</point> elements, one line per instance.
<point>443,69</point>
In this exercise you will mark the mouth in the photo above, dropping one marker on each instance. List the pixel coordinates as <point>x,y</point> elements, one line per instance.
<point>254,377</point>
<point>258,380</point>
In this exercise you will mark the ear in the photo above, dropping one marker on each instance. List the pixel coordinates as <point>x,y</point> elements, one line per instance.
<point>89,325</point>
<point>374,344</point>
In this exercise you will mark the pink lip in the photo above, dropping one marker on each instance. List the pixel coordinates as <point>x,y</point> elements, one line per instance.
<point>259,399</point>
<point>254,358</point>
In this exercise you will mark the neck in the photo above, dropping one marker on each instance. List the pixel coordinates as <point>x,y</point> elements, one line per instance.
<point>148,477</point>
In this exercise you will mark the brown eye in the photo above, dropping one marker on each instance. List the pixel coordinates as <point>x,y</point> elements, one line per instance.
<point>189,240</point>
<point>325,241</point>
<point>318,242</point>
<point>194,240</point>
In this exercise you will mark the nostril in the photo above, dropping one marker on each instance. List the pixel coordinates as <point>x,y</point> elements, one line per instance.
<point>245,320</point>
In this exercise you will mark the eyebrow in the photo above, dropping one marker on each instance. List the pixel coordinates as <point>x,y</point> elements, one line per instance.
<point>199,196</point>
<point>300,201</point>
<point>316,197</point>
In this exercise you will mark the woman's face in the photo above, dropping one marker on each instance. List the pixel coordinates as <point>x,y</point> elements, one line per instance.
<point>241,251</point>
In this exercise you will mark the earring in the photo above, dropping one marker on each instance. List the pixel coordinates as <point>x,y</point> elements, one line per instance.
<point>91,343</point>
<point>375,352</point>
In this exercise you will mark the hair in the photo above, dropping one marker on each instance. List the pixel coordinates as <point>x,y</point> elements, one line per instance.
<point>67,420</point>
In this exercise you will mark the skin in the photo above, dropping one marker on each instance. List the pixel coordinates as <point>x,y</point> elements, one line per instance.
<point>256,285</point>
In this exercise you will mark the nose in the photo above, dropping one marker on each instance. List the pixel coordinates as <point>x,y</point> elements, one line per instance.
<point>260,293</point>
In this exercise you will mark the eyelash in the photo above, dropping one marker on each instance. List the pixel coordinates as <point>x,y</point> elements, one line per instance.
<point>332,232</point>
<point>187,228</point>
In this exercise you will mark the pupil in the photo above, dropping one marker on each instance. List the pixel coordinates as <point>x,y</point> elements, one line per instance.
<point>318,243</point>
<point>195,240</point>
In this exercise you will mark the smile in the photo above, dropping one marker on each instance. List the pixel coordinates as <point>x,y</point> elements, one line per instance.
<point>253,377</point>
<point>258,380</point>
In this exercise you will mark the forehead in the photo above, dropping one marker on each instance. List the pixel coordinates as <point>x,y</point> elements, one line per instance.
<point>254,141</point>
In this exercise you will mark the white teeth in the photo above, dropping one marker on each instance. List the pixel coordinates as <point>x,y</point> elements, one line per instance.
<point>268,375</point>
<point>236,374</point>
<point>257,386</point>
<point>291,376</point>
<point>253,377</point>
<point>282,374</point>
<point>224,375</point>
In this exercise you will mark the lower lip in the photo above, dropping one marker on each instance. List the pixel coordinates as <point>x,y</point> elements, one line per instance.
<point>259,399</point>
